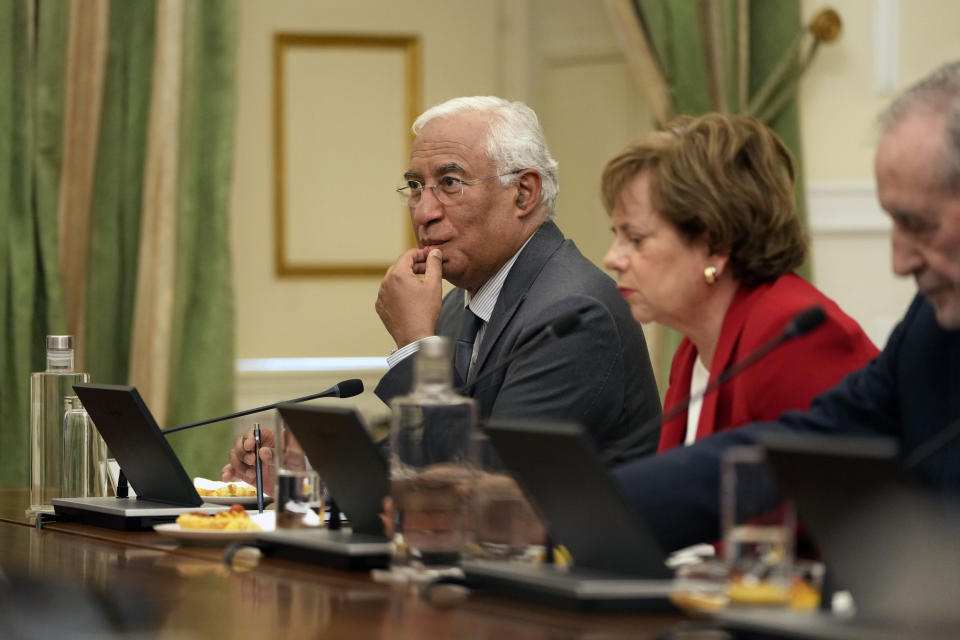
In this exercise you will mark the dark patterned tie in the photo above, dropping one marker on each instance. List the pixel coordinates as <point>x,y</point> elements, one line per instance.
<point>463,350</point>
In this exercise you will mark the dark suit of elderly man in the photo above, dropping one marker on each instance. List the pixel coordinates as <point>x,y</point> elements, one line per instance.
<point>482,189</point>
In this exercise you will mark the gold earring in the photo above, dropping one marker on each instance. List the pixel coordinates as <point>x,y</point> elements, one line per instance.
<point>710,274</point>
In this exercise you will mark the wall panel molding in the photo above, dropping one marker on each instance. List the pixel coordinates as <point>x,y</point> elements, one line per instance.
<point>845,207</point>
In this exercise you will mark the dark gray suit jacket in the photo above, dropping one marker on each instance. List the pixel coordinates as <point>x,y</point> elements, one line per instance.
<point>910,392</point>
<point>599,375</point>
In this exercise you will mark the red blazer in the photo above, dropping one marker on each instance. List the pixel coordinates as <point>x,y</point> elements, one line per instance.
<point>786,378</point>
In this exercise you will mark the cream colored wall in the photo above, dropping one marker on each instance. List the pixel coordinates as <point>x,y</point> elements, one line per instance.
<point>838,100</point>
<point>322,316</point>
<point>839,105</point>
<point>561,56</point>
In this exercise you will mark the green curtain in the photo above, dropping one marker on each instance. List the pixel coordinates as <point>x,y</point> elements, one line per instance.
<point>30,304</point>
<point>710,65</point>
<point>117,197</point>
<point>34,47</point>
<point>202,361</point>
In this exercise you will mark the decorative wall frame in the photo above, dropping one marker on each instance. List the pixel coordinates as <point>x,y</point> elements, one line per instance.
<point>342,108</point>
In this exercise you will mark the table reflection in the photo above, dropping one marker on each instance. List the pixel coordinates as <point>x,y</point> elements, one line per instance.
<point>69,580</point>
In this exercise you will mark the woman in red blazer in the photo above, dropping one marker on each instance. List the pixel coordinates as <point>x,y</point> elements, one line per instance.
<point>705,241</point>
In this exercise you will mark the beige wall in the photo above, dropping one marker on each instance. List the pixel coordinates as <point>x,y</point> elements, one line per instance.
<point>839,105</point>
<point>560,56</point>
<point>322,316</point>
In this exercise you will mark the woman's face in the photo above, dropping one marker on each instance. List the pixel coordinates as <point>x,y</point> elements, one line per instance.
<point>659,273</point>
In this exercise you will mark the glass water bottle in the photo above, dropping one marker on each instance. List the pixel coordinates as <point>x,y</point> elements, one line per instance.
<point>433,461</point>
<point>48,391</point>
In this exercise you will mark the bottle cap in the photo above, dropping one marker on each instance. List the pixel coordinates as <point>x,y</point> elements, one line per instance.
<point>59,343</point>
<point>435,347</point>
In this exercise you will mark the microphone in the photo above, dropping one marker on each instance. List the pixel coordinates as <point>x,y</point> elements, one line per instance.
<point>557,328</point>
<point>344,389</point>
<point>802,323</point>
<point>932,444</point>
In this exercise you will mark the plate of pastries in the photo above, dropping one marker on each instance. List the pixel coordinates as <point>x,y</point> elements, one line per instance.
<point>229,525</point>
<point>228,493</point>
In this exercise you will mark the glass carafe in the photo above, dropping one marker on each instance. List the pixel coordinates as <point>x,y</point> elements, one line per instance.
<point>48,390</point>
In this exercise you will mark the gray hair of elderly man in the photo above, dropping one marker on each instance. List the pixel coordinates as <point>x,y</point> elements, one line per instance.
<point>939,93</point>
<point>515,140</point>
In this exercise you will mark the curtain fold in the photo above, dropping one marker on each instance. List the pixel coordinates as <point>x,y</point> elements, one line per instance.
<point>153,306</point>
<point>80,115</point>
<point>16,234</point>
<point>30,303</point>
<point>52,29</point>
<point>202,335</point>
<point>77,96</point>
<point>117,200</point>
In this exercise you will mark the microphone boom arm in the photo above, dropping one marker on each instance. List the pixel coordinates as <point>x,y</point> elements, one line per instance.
<point>802,323</point>
<point>334,391</point>
<point>557,328</point>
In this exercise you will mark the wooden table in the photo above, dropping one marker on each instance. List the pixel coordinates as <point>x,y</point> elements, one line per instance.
<point>168,589</point>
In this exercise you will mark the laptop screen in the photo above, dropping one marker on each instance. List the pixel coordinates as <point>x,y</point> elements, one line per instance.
<point>340,449</point>
<point>887,543</point>
<point>135,440</point>
<point>559,468</point>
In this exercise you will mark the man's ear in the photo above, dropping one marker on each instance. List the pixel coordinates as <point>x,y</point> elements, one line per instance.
<point>528,187</point>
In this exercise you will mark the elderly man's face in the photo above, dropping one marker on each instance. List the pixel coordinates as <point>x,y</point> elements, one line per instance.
<point>926,220</point>
<point>478,232</point>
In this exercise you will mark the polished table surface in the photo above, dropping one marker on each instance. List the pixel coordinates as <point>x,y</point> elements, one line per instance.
<point>167,589</point>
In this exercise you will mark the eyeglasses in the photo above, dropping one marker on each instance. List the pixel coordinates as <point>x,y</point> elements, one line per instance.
<point>448,189</point>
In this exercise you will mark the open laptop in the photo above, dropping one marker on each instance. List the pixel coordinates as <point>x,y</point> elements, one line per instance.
<point>164,490</point>
<point>892,547</point>
<point>339,447</point>
<point>617,562</point>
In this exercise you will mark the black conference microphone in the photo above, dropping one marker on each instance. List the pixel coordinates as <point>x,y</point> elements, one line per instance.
<point>802,323</point>
<point>344,389</point>
<point>557,328</point>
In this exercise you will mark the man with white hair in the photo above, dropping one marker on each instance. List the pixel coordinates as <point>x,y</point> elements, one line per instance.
<point>481,187</point>
<point>911,391</point>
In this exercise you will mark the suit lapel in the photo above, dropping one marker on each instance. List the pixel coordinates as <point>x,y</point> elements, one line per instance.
<point>544,243</point>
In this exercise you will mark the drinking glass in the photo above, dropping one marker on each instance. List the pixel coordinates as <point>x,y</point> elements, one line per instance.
<point>84,473</point>
<point>758,533</point>
<point>299,490</point>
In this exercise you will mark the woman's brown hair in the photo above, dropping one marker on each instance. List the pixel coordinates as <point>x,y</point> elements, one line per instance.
<point>726,179</point>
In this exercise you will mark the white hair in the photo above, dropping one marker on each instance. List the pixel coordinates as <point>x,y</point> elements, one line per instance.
<point>938,92</point>
<point>514,141</point>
